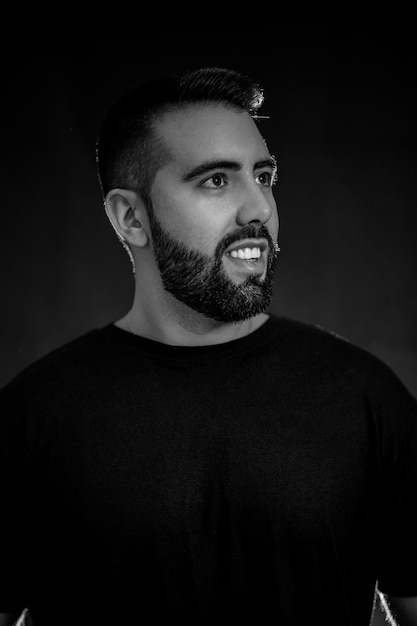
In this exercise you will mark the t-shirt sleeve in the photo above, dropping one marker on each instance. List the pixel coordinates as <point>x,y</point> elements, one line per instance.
<point>14,517</point>
<point>395,412</point>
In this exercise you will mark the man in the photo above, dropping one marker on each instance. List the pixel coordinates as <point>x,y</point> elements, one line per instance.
<point>200,461</point>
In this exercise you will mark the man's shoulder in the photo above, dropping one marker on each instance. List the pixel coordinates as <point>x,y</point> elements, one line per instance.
<point>67,359</point>
<point>319,352</point>
<point>296,327</point>
<point>304,338</point>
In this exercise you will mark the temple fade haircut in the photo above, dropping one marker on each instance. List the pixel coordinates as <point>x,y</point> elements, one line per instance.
<point>129,153</point>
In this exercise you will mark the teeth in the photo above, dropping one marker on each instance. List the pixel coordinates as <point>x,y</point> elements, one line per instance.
<point>246,253</point>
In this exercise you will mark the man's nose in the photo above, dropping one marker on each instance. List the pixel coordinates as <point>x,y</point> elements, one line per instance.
<point>256,205</point>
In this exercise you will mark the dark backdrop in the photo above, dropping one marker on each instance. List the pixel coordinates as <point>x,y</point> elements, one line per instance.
<point>342,106</point>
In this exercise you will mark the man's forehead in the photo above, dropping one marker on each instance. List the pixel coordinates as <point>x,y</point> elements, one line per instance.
<point>210,131</point>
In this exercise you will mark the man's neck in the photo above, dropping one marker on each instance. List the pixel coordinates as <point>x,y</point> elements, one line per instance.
<point>186,328</point>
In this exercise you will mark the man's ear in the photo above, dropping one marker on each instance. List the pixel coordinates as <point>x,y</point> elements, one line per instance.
<point>127,214</point>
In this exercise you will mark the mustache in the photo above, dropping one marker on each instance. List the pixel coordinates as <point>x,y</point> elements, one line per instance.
<point>247,232</point>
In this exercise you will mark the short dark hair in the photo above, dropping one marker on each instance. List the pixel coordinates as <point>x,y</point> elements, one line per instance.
<point>128,152</point>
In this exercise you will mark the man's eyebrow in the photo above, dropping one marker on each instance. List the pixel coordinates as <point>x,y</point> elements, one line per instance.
<point>269,162</point>
<point>208,166</point>
<point>222,164</point>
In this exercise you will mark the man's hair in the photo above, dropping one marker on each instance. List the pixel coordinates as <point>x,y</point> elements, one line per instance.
<point>128,151</point>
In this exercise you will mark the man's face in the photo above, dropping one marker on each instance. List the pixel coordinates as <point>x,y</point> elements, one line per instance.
<point>214,221</point>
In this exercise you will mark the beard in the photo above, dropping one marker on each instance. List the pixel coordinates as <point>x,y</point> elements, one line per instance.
<point>200,281</point>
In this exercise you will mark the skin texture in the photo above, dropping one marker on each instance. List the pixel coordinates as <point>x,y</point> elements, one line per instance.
<point>197,211</point>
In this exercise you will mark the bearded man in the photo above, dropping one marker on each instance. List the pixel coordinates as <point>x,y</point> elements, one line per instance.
<point>202,461</point>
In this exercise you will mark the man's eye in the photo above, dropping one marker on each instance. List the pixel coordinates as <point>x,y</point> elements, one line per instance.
<point>215,181</point>
<point>265,178</point>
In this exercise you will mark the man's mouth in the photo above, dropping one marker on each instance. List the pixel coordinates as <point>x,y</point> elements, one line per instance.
<point>248,256</point>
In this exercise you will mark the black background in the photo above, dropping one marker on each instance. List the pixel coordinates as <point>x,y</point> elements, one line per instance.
<point>342,102</point>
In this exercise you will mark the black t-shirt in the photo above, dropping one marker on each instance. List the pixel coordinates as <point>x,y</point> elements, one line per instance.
<point>268,480</point>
